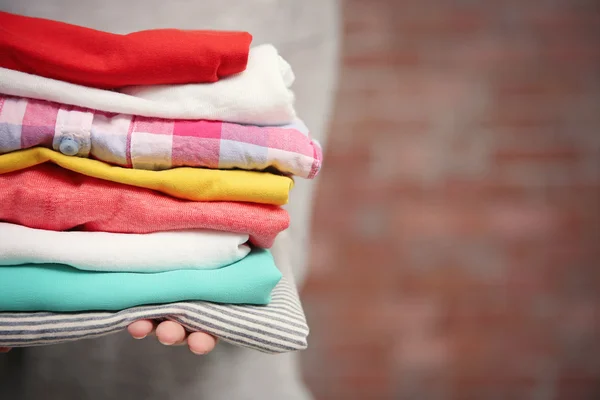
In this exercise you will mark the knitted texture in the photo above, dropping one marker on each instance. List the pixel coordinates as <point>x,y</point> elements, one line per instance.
<point>47,196</point>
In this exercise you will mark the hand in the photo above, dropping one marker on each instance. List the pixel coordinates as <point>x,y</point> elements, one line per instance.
<point>168,333</point>
<point>171,333</point>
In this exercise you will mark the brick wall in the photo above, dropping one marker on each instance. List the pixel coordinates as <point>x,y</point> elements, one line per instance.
<point>456,250</point>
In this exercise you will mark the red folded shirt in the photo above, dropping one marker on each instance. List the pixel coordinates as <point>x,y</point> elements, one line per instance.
<point>49,197</point>
<point>105,60</point>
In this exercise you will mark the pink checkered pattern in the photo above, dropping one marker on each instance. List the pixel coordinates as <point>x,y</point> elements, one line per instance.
<point>155,144</point>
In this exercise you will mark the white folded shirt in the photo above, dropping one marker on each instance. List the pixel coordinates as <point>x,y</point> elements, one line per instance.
<point>258,96</point>
<point>123,252</point>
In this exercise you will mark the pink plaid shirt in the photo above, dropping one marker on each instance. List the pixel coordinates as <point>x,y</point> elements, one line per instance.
<point>155,144</point>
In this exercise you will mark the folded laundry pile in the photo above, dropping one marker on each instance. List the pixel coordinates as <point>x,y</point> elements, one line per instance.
<point>142,176</point>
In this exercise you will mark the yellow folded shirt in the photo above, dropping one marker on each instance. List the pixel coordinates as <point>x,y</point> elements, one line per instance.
<point>185,183</point>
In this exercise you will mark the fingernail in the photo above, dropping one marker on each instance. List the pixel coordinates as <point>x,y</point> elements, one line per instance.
<point>139,337</point>
<point>166,343</point>
<point>198,353</point>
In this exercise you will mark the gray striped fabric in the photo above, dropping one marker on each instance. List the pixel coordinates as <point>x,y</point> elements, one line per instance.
<point>276,328</point>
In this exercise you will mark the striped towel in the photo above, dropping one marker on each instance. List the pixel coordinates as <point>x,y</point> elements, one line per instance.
<point>276,328</point>
<point>156,144</point>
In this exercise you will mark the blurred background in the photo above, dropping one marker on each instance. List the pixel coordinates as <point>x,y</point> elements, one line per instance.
<point>456,235</point>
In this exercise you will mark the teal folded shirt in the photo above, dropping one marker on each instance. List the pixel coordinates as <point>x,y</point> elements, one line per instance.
<point>53,287</point>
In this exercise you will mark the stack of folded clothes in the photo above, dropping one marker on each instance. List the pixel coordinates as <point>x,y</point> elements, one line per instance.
<point>142,177</point>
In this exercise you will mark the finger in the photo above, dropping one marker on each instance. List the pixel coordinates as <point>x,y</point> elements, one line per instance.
<point>140,329</point>
<point>169,333</point>
<point>184,341</point>
<point>4,349</point>
<point>201,343</point>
